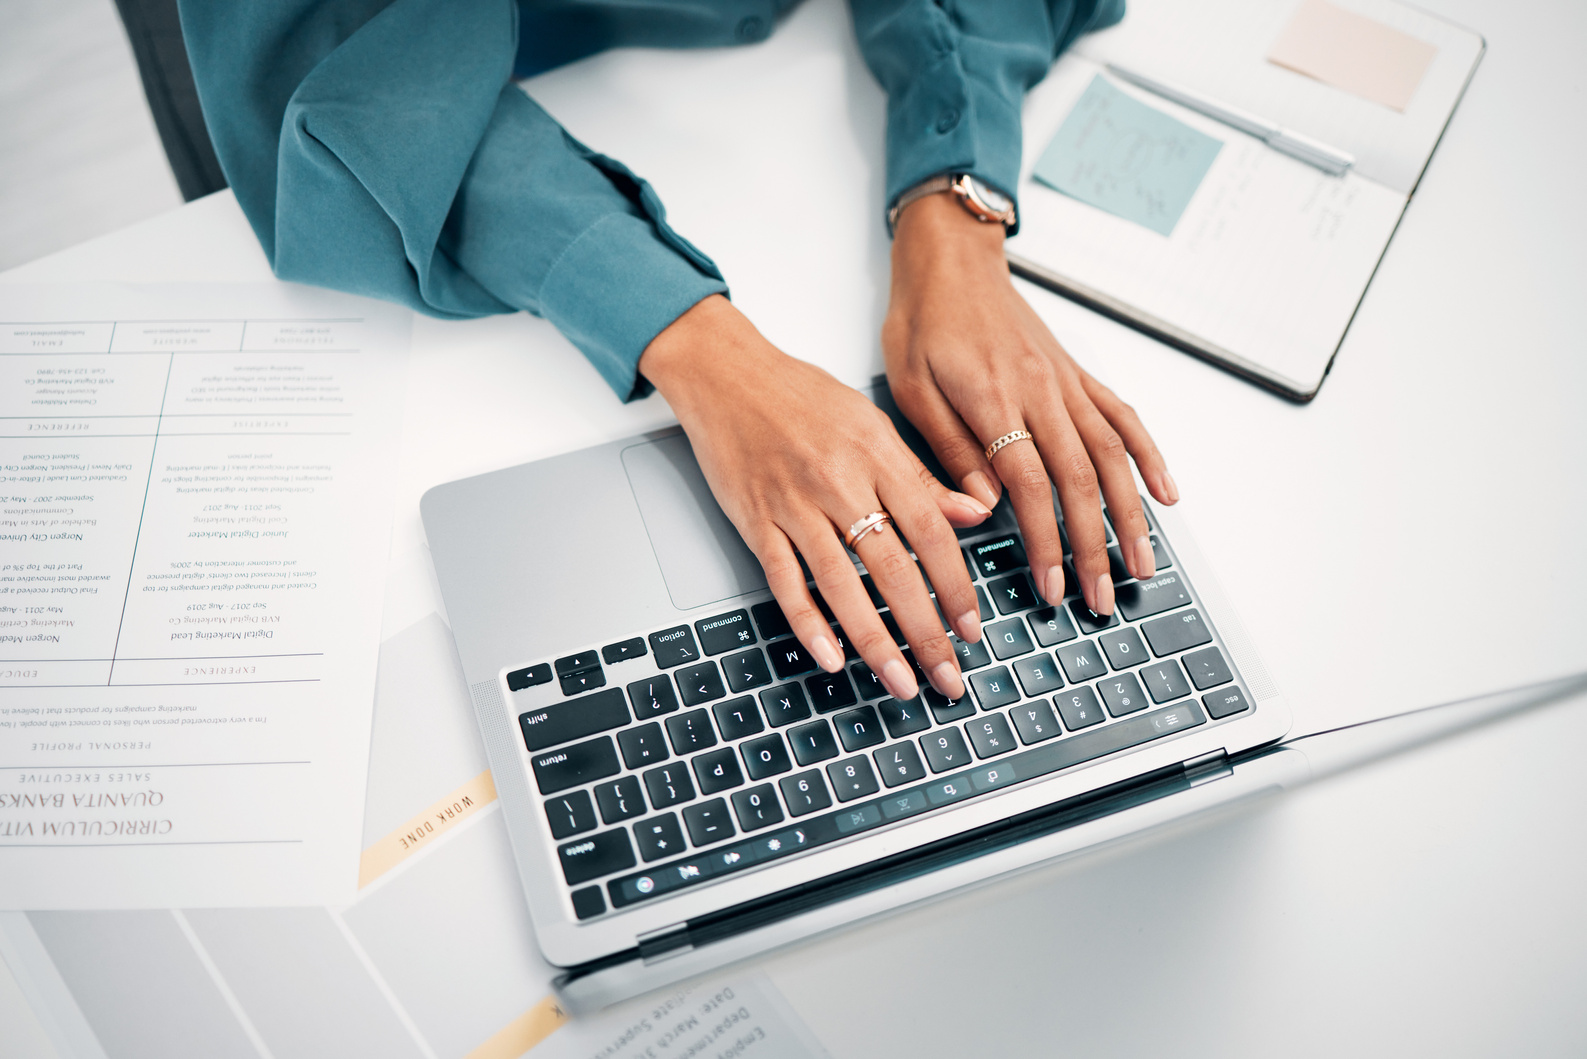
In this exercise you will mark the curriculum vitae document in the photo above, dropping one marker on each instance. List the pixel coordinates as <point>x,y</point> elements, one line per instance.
<point>194,524</point>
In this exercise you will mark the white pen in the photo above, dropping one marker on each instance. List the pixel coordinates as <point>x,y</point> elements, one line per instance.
<point>1328,159</point>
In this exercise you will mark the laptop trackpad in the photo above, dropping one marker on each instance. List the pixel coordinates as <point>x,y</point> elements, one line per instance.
<point>702,557</point>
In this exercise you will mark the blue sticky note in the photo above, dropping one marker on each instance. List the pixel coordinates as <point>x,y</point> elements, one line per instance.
<point>1120,155</point>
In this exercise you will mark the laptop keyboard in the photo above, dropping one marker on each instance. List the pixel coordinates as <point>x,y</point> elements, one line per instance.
<point>725,746</point>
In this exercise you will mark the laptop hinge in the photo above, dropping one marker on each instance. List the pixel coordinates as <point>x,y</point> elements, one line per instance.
<point>1207,767</point>
<point>664,943</point>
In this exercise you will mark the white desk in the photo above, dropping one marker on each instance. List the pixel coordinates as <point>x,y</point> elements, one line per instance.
<point>1409,538</point>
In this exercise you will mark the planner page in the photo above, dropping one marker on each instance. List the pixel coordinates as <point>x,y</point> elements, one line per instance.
<point>1254,253</point>
<point>195,512</point>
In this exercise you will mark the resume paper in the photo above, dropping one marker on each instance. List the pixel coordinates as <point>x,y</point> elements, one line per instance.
<point>195,517</point>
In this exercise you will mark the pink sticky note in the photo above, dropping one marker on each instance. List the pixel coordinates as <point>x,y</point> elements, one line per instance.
<point>1352,52</point>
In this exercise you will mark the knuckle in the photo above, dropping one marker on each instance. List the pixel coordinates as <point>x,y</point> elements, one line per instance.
<point>872,643</point>
<point>829,569</point>
<point>1079,474</point>
<point>892,567</point>
<point>1110,447</point>
<point>1029,478</point>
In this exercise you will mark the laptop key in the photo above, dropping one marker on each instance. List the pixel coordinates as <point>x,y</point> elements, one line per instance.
<point>1052,626</point>
<point>812,742</point>
<point>1008,639</point>
<point>1122,694</point>
<point>658,837</point>
<point>642,746</point>
<point>971,655</point>
<point>1165,681</point>
<point>690,732</point>
<point>718,771</point>
<point>737,718</point>
<point>570,814</point>
<point>784,705</point>
<point>990,735</point>
<point>899,763</point>
<point>1013,594</point>
<point>769,619</point>
<point>564,722</point>
<point>830,691</point>
<point>598,855</point>
<point>708,822</point>
<point>1091,623</point>
<point>747,670</point>
<point>652,697</point>
<point>765,756</point>
<point>1081,661</point>
<point>1078,707</point>
<point>1035,721</point>
<point>625,651</point>
<point>1225,702</point>
<point>620,799</point>
<point>669,785</point>
<point>699,684</point>
<point>903,718</point>
<point>867,683</point>
<point>576,765</point>
<point>997,557</point>
<point>805,793</point>
<point>588,902</point>
<point>1124,648</point>
<point>994,688</point>
<point>519,679</point>
<point>757,808</point>
<point>859,728</point>
<point>725,632</point>
<point>852,778</point>
<point>983,604</point>
<point>945,710</point>
<point>674,647</point>
<point>969,566</point>
<point>789,658</point>
<point>583,680</point>
<point>1142,599</point>
<point>945,750</point>
<point>574,663</point>
<point>1038,674</point>
<point>1207,668</point>
<point>1177,632</point>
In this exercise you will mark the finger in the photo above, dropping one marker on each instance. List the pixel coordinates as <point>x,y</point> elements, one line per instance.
<point>786,579</point>
<point>960,509</point>
<point>1112,463</point>
<point>839,584</point>
<point>1065,455</point>
<point>1142,449</point>
<point>899,581</point>
<point>920,522</point>
<point>962,454</point>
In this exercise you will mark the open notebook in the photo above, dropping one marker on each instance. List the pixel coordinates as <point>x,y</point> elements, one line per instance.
<point>1208,238</point>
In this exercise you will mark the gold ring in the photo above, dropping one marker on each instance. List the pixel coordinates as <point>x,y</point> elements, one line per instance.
<point>869,524</point>
<point>1007,439</point>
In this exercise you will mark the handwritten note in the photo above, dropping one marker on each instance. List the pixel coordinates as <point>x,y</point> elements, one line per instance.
<point>1132,160</point>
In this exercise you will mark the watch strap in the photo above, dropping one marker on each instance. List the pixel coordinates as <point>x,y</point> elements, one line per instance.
<point>940,182</point>
<point>963,187</point>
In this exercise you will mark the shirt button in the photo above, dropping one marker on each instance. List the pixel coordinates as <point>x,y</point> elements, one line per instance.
<point>751,28</point>
<point>949,119</point>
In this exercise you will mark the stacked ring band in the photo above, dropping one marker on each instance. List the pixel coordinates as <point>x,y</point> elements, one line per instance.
<point>1007,439</point>
<point>869,524</point>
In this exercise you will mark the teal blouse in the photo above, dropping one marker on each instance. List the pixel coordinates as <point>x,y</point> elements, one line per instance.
<point>381,147</point>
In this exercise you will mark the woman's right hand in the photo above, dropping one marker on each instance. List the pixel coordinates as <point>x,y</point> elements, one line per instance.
<point>795,457</point>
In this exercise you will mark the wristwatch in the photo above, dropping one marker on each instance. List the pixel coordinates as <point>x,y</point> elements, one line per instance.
<point>983,202</point>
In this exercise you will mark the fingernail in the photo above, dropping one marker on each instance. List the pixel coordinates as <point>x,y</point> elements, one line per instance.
<point>900,681</point>
<point>826,653</point>
<point>1054,589</point>
<point>968,626</point>
<point>1102,605</point>
<point>945,678</point>
<point>1170,488</point>
<point>965,500</point>
<point>979,486</point>
<point>1145,564</point>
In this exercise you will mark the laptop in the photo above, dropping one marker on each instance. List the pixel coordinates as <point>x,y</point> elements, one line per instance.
<point>684,788</point>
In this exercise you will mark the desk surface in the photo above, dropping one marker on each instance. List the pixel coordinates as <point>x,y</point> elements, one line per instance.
<point>1411,537</point>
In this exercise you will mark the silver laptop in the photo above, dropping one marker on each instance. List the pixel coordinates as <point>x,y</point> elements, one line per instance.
<point>684,788</point>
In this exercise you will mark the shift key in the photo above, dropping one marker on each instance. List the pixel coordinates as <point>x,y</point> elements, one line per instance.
<point>564,722</point>
<point>572,765</point>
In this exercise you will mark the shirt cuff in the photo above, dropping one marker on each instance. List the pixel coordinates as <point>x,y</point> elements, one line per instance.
<point>616,287</point>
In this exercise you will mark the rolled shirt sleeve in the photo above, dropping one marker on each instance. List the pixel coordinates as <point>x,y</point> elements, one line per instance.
<point>382,149</point>
<point>956,73</point>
